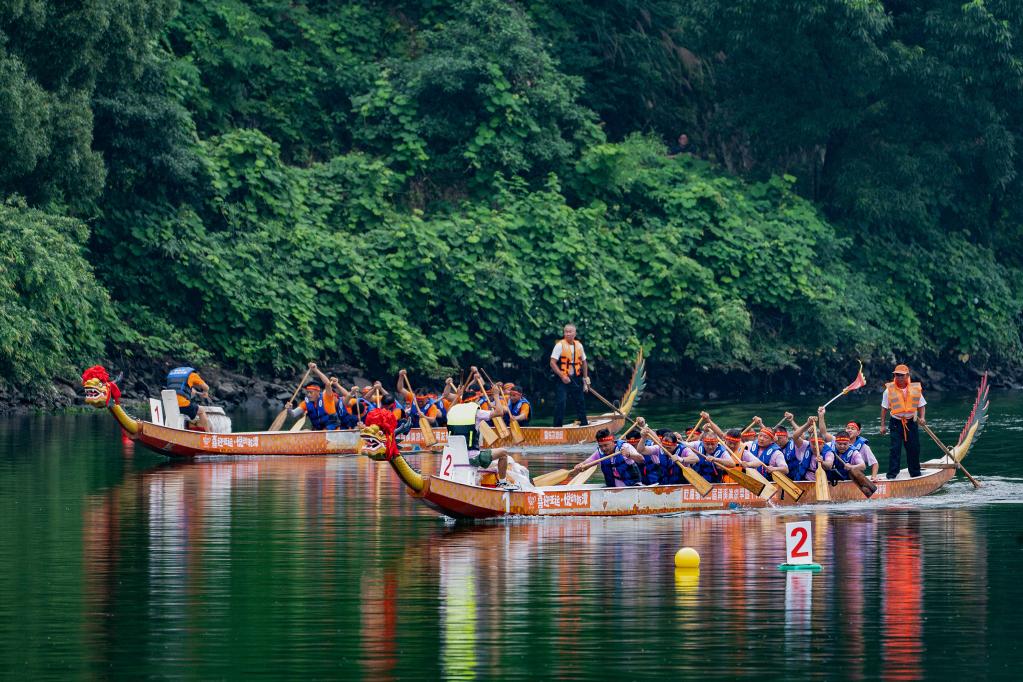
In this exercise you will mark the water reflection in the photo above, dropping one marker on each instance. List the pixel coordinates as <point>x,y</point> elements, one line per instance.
<point>325,562</point>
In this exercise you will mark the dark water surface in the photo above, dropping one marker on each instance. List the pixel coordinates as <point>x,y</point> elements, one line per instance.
<point>117,564</point>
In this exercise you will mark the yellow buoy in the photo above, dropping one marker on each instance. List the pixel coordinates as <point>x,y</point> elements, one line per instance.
<point>687,557</point>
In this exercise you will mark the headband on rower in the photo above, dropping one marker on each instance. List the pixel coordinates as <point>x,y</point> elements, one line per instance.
<point>606,439</point>
<point>781,432</point>
<point>767,432</point>
<point>841,439</point>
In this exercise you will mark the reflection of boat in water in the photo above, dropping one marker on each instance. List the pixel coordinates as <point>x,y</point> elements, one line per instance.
<point>456,495</point>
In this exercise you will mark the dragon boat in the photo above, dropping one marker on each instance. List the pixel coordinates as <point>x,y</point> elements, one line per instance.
<point>458,491</point>
<point>166,433</point>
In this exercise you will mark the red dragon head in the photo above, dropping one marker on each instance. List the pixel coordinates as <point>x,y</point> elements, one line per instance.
<point>99,390</point>
<point>378,439</point>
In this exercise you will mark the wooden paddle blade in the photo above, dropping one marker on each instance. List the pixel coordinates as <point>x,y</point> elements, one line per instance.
<point>746,481</point>
<point>821,484</point>
<point>788,485</point>
<point>583,476</point>
<point>278,421</point>
<point>702,485</point>
<point>769,488</point>
<point>552,478</point>
<point>297,426</point>
<point>516,432</point>
<point>866,486</point>
<point>488,434</point>
<point>429,439</point>
<point>502,428</point>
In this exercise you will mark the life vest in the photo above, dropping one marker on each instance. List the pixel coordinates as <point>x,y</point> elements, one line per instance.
<point>442,411</point>
<point>618,467</point>
<point>797,467</point>
<point>571,356</point>
<point>839,463</point>
<point>656,467</point>
<point>858,444</point>
<point>516,407</point>
<point>900,402</point>
<point>763,454</point>
<point>362,407</point>
<point>705,467</point>
<point>177,380</point>
<point>462,422</point>
<point>319,417</point>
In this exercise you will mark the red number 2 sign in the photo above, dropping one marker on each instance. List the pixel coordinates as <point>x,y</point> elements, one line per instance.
<point>797,548</point>
<point>445,469</point>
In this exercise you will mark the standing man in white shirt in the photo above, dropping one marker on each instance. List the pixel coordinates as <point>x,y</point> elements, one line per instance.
<point>905,400</point>
<point>568,362</point>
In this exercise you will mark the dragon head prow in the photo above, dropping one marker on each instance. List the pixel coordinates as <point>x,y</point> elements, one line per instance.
<point>99,389</point>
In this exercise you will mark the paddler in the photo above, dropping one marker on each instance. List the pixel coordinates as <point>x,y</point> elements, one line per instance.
<point>568,362</point>
<point>761,454</point>
<point>707,456</point>
<point>844,459</point>
<point>319,404</point>
<point>905,400</point>
<point>858,442</point>
<point>464,420</point>
<point>187,384</point>
<point>797,453</point>
<point>519,408</point>
<point>658,467</point>
<point>826,457</point>
<point>619,471</point>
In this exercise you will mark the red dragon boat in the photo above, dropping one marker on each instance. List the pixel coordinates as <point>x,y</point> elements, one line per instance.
<point>455,492</point>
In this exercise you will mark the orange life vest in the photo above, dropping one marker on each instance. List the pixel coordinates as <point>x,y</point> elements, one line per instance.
<point>571,359</point>
<point>903,402</point>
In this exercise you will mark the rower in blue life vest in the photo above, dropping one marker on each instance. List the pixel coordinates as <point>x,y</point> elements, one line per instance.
<point>187,384</point>
<point>797,453</point>
<point>519,408</point>
<point>620,470</point>
<point>707,455</point>
<point>319,404</point>
<point>857,443</point>
<point>658,468</point>
<point>763,454</point>
<point>844,459</point>
<point>826,458</point>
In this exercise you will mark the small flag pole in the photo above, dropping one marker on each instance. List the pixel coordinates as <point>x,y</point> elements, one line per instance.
<point>859,382</point>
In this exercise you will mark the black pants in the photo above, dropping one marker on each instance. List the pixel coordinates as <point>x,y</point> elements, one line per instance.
<point>910,438</point>
<point>573,388</point>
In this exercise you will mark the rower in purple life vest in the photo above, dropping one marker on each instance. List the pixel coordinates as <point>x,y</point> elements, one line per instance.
<point>844,459</point>
<point>797,451</point>
<point>619,471</point>
<point>658,467</point>
<point>857,442</point>
<point>905,400</point>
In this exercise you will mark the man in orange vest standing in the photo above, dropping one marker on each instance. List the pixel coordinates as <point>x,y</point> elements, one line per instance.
<point>568,362</point>
<point>905,401</point>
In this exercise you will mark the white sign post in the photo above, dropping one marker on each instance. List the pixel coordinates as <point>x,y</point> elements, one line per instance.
<point>798,547</point>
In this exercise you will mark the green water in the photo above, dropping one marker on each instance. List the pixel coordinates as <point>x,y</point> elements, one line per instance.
<point>116,564</point>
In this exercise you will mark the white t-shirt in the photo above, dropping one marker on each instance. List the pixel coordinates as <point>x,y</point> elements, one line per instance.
<point>556,355</point>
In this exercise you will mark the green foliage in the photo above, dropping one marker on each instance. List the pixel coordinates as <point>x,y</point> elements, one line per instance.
<point>53,314</point>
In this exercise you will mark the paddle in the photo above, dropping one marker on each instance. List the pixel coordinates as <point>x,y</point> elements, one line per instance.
<point>702,485</point>
<point>278,421</point>
<point>564,473</point>
<point>487,432</point>
<point>750,479</point>
<point>429,439</point>
<point>820,477</point>
<point>297,426</point>
<point>515,428</point>
<point>499,424</point>
<point>948,452</point>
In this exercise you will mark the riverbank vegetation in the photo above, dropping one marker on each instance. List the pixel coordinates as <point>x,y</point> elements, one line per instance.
<point>417,184</point>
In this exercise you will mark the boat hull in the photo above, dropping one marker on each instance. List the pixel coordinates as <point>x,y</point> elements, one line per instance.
<point>186,444</point>
<point>461,501</point>
<point>537,436</point>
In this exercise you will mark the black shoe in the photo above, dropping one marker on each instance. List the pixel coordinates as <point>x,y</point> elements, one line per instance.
<point>890,477</point>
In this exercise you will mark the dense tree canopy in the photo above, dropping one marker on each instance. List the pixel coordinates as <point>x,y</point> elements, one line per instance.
<point>418,184</point>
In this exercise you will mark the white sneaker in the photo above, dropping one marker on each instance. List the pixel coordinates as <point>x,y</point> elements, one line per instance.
<point>506,485</point>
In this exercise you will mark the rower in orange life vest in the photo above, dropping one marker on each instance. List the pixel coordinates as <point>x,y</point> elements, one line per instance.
<point>905,400</point>
<point>320,404</point>
<point>187,383</point>
<point>568,362</point>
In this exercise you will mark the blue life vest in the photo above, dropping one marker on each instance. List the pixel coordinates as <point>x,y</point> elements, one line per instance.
<point>764,455</point>
<point>177,380</point>
<point>516,407</point>
<point>657,467</point>
<point>798,467</point>
<point>439,404</point>
<point>620,467</point>
<point>705,467</point>
<point>319,417</point>
<point>840,461</point>
<point>671,474</point>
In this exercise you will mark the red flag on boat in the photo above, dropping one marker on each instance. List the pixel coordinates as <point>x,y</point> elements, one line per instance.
<point>860,381</point>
